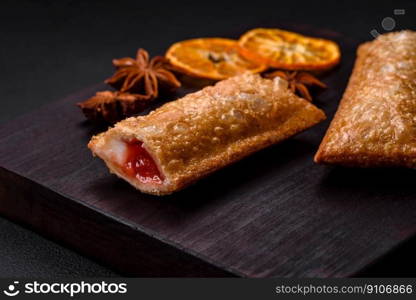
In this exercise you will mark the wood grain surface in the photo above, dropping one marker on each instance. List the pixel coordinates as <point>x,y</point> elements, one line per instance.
<point>275,213</point>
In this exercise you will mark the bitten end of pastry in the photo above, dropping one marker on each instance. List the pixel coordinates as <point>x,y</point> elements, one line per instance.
<point>127,157</point>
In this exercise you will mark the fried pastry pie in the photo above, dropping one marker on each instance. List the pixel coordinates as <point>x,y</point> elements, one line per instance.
<point>187,139</point>
<point>375,125</point>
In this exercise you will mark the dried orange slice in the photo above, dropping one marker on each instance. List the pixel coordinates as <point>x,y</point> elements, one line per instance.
<point>288,50</point>
<point>213,58</point>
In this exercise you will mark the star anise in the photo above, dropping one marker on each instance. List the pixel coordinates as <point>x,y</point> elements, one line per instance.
<point>143,76</point>
<point>138,81</point>
<point>112,106</point>
<point>298,82</point>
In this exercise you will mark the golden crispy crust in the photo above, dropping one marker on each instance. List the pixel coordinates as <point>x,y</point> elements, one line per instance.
<point>207,130</point>
<point>375,124</point>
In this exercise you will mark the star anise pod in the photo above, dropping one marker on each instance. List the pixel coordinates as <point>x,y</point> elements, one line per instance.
<point>138,81</point>
<point>298,82</point>
<point>142,75</point>
<point>112,106</point>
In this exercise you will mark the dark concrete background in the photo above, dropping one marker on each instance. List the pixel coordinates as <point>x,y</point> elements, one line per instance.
<point>49,49</point>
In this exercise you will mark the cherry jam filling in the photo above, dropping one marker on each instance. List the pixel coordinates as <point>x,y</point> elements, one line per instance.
<point>140,164</point>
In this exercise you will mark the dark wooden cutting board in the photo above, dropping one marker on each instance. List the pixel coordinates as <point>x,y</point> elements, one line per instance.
<point>275,213</point>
